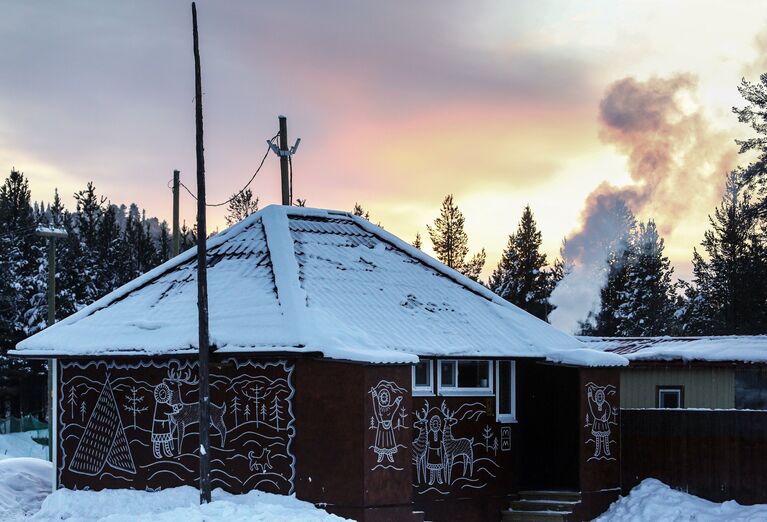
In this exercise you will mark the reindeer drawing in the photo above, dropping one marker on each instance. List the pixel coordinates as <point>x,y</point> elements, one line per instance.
<point>455,449</point>
<point>184,414</point>
<point>420,443</point>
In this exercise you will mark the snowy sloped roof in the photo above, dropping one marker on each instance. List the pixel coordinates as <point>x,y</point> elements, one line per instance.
<point>305,280</point>
<point>727,348</point>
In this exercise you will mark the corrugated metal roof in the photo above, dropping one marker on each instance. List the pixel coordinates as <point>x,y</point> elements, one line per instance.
<point>308,280</point>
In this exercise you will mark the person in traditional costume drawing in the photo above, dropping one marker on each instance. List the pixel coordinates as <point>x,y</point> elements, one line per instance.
<point>162,425</point>
<point>434,461</point>
<point>384,410</point>
<point>600,426</point>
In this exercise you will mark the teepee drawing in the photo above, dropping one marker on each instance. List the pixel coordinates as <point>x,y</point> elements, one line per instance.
<point>103,442</point>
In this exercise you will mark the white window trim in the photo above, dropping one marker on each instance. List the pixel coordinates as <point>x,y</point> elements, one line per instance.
<point>420,391</point>
<point>506,418</point>
<point>677,391</point>
<point>455,390</point>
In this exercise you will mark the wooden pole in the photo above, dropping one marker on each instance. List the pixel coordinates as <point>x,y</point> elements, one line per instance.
<point>202,279</point>
<point>284,168</point>
<point>176,245</point>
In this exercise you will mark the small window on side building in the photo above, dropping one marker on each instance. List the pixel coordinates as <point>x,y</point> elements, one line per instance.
<point>670,397</point>
<point>422,378</point>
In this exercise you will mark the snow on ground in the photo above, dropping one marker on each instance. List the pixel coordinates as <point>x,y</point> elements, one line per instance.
<point>22,445</point>
<point>174,504</point>
<point>654,501</point>
<point>24,483</point>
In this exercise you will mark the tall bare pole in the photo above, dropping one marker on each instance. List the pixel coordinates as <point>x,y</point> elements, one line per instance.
<point>284,154</point>
<point>175,245</point>
<point>52,234</point>
<point>202,279</point>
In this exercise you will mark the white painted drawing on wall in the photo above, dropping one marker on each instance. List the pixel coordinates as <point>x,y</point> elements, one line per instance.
<point>152,438</point>
<point>387,420</point>
<point>444,460</point>
<point>103,443</point>
<point>601,415</point>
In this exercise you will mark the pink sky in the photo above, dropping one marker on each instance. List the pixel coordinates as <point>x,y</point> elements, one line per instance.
<point>397,103</point>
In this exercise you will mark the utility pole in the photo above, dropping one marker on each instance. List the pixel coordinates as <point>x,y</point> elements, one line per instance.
<point>285,152</point>
<point>175,245</point>
<point>202,279</point>
<point>52,234</point>
<point>284,167</point>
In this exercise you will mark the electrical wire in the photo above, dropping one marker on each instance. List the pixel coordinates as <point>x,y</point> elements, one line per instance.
<point>260,165</point>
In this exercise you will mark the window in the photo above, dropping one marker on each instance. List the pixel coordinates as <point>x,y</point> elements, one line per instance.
<point>465,377</point>
<point>422,378</point>
<point>505,396</point>
<point>670,396</point>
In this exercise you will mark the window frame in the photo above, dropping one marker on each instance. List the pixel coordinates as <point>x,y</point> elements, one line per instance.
<point>423,390</point>
<point>678,389</point>
<point>487,391</point>
<point>506,418</point>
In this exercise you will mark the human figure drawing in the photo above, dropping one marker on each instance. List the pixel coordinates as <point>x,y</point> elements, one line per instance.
<point>162,424</point>
<point>434,461</point>
<point>384,410</point>
<point>600,413</point>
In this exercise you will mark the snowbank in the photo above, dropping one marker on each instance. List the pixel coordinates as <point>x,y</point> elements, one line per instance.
<point>24,483</point>
<point>652,501</point>
<point>174,504</point>
<point>22,445</point>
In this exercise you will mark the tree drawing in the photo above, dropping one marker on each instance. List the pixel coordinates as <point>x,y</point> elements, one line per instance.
<point>247,413</point>
<point>401,420</point>
<point>236,409</point>
<point>276,413</point>
<point>487,434</point>
<point>72,400</point>
<point>263,413</point>
<point>133,405</point>
<point>82,411</point>
<point>495,446</point>
<point>255,398</point>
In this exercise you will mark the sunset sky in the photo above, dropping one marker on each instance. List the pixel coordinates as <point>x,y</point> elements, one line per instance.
<point>397,104</point>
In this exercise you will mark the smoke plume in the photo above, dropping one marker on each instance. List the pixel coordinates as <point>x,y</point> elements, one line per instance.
<point>677,163</point>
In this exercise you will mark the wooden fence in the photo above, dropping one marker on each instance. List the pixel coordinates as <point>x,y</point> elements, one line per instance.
<point>715,454</point>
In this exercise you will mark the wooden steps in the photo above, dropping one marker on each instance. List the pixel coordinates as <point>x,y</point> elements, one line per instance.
<point>542,506</point>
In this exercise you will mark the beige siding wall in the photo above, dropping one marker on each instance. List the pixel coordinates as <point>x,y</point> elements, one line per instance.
<point>703,387</point>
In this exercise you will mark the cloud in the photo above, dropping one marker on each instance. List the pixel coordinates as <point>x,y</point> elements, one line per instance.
<point>676,160</point>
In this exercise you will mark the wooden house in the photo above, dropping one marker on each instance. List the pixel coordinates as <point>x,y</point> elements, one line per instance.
<point>719,372</point>
<point>349,368</point>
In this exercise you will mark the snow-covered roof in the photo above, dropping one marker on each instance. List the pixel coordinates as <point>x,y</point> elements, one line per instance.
<point>727,348</point>
<point>306,280</point>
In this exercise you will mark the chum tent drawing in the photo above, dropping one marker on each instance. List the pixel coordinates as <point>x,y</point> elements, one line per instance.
<point>142,427</point>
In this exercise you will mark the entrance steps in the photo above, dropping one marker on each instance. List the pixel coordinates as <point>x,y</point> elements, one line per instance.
<point>542,506</point>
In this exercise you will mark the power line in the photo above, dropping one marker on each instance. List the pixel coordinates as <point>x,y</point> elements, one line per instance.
<point>260,165</point>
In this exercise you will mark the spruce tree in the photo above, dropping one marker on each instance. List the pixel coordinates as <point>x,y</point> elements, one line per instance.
<point>648,306</point>
<point>606,320</point>
<point>450,241</point>
<point>241,206</point>
<point>361,212</point>
<point>522,276</point>
<point>417,241</point>
<point>729,295</point>
<point>755,115</point>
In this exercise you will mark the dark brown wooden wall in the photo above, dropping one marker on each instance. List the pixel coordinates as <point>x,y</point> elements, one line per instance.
<point>133,423</point>
<point>336,441</point>
<point>599,430</point>
<point>717,455</point>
